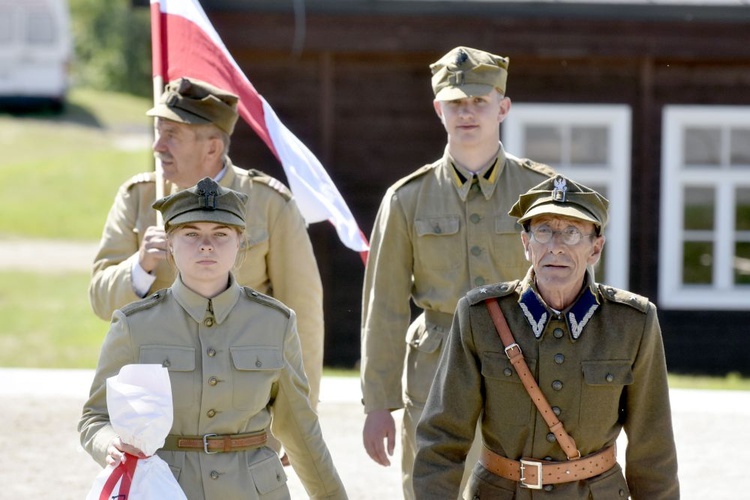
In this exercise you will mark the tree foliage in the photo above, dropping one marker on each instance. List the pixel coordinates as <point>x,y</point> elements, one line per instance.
<point>112,46</point>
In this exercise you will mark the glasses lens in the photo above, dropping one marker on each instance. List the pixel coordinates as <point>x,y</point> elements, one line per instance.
<point>571,236</point>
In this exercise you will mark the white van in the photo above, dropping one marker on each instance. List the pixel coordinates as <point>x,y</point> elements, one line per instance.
<point>36,47</point>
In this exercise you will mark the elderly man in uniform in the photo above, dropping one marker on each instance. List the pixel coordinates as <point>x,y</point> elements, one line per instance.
<point>439,232</point>
<point>194,121</point>
<point>591,355</point>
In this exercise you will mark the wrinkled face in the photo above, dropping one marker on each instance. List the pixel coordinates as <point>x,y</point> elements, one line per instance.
<point>559,266</point>
<point>204,252</point>
<point>473,120</point>
<point>185,153</point>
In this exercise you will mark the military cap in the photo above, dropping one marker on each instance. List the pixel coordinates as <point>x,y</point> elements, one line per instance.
<point>466,72</point>
<point>561,196</point>
<point>187,100</point>
<point>205,202</point>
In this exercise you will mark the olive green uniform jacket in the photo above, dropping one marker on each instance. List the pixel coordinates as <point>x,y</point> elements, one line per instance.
<point>600,364</point>
<point>277,256</point>
<point>435,238</point>
<point>235,366</point>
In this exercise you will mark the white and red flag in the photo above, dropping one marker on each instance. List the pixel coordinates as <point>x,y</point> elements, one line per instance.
<point>184,43</point>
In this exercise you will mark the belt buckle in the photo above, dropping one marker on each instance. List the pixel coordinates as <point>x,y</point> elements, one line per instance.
<point>205,444</point>
<point>531,463</point>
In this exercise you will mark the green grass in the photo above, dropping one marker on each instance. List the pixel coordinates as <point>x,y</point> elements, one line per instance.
<point>60,173</point>
<point>47,321</point>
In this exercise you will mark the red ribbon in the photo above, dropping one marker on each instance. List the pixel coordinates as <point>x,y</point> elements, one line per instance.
<point>125,470</point>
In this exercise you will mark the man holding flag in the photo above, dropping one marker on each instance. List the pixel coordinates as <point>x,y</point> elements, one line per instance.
<point>194,123</point>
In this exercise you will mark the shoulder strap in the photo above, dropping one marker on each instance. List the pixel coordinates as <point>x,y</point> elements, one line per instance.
<point>513,351</point>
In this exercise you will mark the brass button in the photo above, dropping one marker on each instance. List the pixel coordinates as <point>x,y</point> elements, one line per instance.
<point>211,413</point>
<point>208,322</point>
<point>610,377</point>
<point>559,358</point>
<point>507,372</point>
<point>557,385</point>
<point>475,218</point>
<point>476,251</point>
<point>548,487</point>
<point>558,333</point>
<point>213,381</point>
<point>437,230</point>
<point>258,363</point>
<point>214,474</point>
<point>551,437</point>
<point>211,352</point>
<point>556,410</point>
<point>166,363</point>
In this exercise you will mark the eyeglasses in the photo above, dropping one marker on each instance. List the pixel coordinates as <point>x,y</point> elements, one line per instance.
<point>570,235</point>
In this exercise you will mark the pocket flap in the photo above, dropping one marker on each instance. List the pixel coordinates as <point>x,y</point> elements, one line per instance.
<point>428,339</point>
<point>506,225</point>
<point>256,358</point>
<point>268,475</point>
<point>174,358</point>
<point>497,365</point>
<point>609,372</point>
<point>437,226</point>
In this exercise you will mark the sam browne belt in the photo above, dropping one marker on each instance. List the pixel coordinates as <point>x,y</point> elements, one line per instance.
<point>534,474</point>
<point>216,443</point>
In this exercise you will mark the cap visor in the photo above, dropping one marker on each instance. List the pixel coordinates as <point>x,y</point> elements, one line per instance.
<point>176,115</point>
<point>464,91</point>
<point>559,210</point>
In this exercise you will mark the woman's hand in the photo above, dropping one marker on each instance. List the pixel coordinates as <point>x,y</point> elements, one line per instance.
<point>117,449</point>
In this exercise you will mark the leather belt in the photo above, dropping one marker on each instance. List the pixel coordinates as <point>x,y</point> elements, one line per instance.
<point>215,443</point>
<point>534,474</point>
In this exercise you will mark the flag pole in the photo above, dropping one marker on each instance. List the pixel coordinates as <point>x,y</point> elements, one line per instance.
<point>157,62</point>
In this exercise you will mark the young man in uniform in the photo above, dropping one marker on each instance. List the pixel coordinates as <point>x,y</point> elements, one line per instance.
<point>595,354</point>
<point>439,232</point>
<point>194,122</point>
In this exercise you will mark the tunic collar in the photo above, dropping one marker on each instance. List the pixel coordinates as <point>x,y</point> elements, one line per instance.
<point>199,307</point>
<point>538,313</point>
<point>487,177</point>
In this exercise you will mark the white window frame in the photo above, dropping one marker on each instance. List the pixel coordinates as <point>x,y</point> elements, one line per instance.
<point>617,120</point>
<point>722,293</point>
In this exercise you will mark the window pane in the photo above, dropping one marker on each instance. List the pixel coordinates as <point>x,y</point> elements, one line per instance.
<point>742,264</point>
<point>544,144</point>
<point>739,147</point>
<point>697,265</point>
<point>589,145</point>
<point>699,208</point>
<point>742,212</point>
<point>702,146</point>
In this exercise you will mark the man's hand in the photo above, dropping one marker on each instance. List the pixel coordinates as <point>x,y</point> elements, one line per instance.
<point>153,248</point>
<point>379,428</point>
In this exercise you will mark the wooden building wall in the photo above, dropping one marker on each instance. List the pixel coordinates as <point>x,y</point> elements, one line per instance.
<point>354,86</point>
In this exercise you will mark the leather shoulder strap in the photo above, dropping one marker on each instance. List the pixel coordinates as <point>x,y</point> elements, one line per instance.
<point>513,351</point>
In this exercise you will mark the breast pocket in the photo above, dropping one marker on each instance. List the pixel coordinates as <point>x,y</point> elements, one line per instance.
<point>604,382</point>
<point>180,362</point>
<point>256,368</point>
<point>507,398</point>
<point>438,245</point>
<point>507,250</point>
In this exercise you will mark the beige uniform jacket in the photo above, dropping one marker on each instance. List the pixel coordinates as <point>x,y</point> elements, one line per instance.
<point>278,256</point>
<point>235,366</point>
<point>435,238</point>
<point>599,363</point>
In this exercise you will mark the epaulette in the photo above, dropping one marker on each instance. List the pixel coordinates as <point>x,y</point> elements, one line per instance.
<point>481,293</point>
<point>264,299</point>
<point>538,167</point>
<point>140,179</point>
<point>417,173</point>
<point>145,303</point>
<point>271,182</point>
<point>624,297</point>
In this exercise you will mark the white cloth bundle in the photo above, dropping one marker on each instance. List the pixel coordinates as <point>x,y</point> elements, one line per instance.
<point>139,401</point>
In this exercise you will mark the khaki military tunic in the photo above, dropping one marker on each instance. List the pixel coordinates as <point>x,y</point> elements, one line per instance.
<point>235,366</point>
<point>435,238</point>
<point>601,365</point>
<point>277,256</point>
